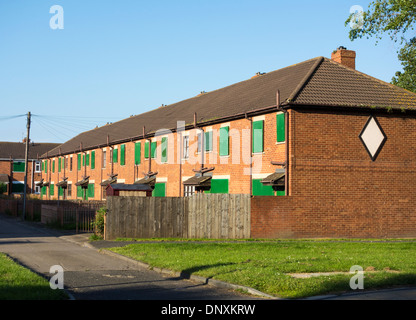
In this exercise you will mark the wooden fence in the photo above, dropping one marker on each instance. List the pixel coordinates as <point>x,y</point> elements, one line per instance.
<point>200,216</point>
<point>219,216</point>
<point>146,217</point>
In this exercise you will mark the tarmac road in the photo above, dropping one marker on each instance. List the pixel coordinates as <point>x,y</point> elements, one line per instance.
<point>90,275</point>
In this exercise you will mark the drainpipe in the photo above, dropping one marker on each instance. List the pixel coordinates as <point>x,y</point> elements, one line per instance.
<point>251,152</point>
<point>150,155</point>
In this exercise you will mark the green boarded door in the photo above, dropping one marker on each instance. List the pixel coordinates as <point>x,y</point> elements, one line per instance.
<point>259,189</point>
<point>159,190</point>
<point>218,186</point>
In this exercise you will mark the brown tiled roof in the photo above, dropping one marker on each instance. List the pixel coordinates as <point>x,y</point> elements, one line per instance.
<point>319,81</point>
<point>198,181</point>
<point>332,84</point>
<point>17,149</point>
<point>275,179</point>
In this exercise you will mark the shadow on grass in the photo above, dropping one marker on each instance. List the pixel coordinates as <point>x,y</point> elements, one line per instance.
<point>186,273</point>
<point>341,284</point>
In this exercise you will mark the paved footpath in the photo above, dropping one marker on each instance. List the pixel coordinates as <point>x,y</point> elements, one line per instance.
<point>90,275</point>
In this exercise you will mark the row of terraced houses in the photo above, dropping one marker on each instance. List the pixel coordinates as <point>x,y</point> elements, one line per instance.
<point>318,133</point>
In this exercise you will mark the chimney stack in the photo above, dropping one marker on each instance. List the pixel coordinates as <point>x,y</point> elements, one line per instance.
<point>344,56</point>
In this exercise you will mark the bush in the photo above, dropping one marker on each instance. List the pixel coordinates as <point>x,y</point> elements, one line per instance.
<point>98,223</point>
<point>3,188</point>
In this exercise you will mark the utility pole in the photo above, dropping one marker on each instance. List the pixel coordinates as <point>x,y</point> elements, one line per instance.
<point>26,160</point>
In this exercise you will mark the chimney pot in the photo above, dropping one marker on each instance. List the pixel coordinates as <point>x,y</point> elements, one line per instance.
<point>344,57</point>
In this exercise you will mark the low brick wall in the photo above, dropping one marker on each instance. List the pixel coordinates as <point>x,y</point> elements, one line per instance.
<point>332,217</point>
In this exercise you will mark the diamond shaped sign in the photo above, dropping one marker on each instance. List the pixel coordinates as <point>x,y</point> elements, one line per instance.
<point>373,137</point>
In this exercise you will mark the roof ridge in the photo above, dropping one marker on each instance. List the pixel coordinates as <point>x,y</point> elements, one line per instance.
<point>306,78</point>
<point>370,77</point>
<point>234,84</point>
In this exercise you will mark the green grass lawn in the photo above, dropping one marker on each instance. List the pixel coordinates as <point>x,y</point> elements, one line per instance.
<point>266,265</point>
<point>19,283</point>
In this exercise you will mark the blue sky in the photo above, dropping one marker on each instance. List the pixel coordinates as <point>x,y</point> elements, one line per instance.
<point>114,59</point>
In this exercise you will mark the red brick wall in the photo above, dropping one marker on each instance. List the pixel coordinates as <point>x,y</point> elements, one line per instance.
<point>5,166</point>
<point>235,166</point>
<point>336,189</point>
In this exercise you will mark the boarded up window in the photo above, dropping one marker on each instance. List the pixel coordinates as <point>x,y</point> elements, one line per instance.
<point>208,141</point>
<point>224,141</point>
<point>79,161</point>
<point>18,166</point>
<point>115,155</point>
<point>137,153</point>
<point>93,160</point>
<point>280,127</point>
<point>146,150</point>
<point>123,154</point>
<point>258,136</point>
<point>164,149</point>
<point>153,150</point>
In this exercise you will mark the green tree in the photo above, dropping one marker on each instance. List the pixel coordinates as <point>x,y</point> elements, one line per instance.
<point>397,18</point>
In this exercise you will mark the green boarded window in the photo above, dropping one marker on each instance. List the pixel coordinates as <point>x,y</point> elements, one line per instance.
<point>79,161</point>
<point>280,127</point>
<point>46,166</point>
<point>153,150</point>
<point>59,164</point>
<point>93,160</point>
<point>43,191</point>
<point>80,192</point>
<point>83,160</point>
<point>259,189</point>
<point>87,161</point>
<point>123,154</point>
<point>90,191</point>
<point>18,187</point>
<point>258,136</point>
<point>18,166</point>
<point>115,155</point>
<point>146,150</point>
<point>208,141</point>
<point>164,149</point>
<point>137,153</point>
<point>224,141</point>
<point>219,186</point>
<point>53,166</point>
<point>51,189</point>
<point>159,190</point>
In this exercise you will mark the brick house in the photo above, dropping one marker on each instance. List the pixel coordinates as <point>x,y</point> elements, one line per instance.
<point>12,166</point>
<point>318,131</point>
